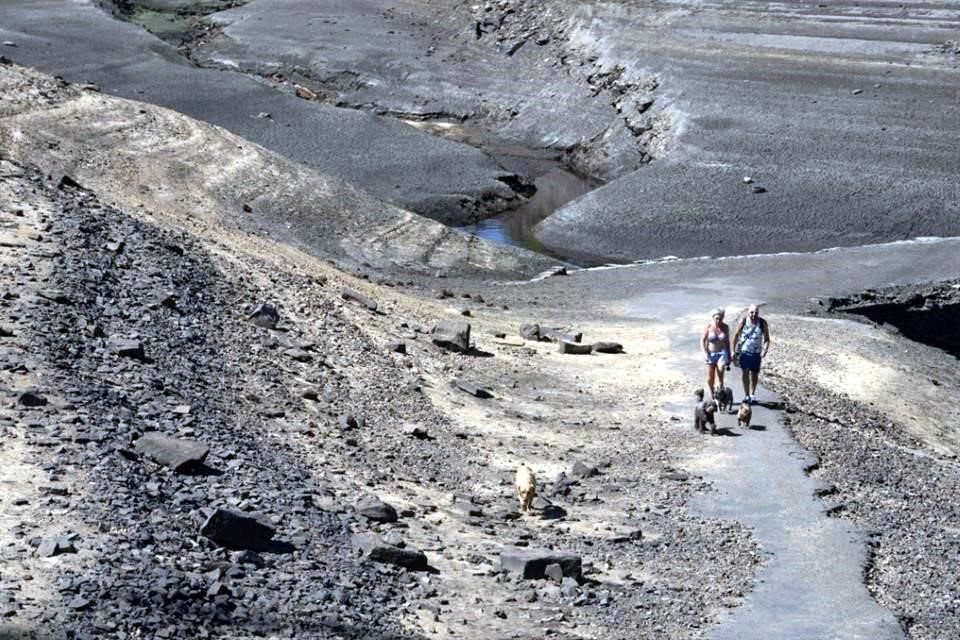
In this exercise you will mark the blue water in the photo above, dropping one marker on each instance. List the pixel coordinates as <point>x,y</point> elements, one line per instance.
<point>516,228</point>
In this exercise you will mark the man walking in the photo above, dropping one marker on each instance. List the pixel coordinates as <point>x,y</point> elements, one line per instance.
<point>752,339</point>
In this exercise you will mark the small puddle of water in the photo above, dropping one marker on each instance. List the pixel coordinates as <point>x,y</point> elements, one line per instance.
<point>555,188</point>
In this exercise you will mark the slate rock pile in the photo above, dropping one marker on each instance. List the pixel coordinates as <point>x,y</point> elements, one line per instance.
<point>229,481</point>
<point>153,360</point>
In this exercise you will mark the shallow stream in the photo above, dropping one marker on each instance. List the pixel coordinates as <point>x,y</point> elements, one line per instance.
<point>553,184</point>
<point>555,188</point>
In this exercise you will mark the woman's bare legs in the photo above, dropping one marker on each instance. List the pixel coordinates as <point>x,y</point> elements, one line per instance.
<point>711,374</point>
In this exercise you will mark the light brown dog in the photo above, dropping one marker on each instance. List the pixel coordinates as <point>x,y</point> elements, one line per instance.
<point>526,485</point>
<point>744,415</point>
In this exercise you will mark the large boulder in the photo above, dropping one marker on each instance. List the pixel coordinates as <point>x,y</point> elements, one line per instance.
<point>265,315</point>
<point>31,399</point>
<point>373,508</point>
<point>530,331</point>
<point>127,348</point>
<point>452,335</point>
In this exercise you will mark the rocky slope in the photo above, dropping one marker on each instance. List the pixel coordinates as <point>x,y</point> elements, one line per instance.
<point>127,302</point>
<point>117,326</point>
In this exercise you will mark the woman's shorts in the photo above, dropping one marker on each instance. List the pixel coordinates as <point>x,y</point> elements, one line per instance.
<point>720,358</point>
<point>750,361</point>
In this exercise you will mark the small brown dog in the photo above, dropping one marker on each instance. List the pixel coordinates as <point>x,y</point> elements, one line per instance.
<point>526,484</point>
<point>744,415</point>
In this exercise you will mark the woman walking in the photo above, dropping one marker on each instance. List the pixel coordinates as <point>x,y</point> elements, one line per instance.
<point>715,343</point>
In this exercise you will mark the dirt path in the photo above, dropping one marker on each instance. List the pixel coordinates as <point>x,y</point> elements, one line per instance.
<point>811,583</point>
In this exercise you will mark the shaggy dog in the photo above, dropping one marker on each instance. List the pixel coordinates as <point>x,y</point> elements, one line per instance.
<point>703,416</point>
<point>744,415</point>
<point>724,397</point>
<point>526,485</point>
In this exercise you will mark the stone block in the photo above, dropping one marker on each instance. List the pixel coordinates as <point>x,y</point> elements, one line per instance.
<point>176,453</point>
<point>452,335</point>
<point>373,548</point>
<point>237,530</point>
<point>532,563</point>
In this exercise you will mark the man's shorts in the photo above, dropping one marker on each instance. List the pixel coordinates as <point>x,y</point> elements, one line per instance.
<point>750,361</point>
<point>720,358</point>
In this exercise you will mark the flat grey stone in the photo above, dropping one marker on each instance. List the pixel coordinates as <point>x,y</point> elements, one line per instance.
<point>175,453</point>
<point>375,549</point>
<point>581,470</point>
<point>532,563</point>
<point>416,431</point>
<point>608,347</point>
<point>298,354</point>
<point>574,348</point>
<point>471,388</point>
<point>557,270</point>
<point>237,530</point>
<point>55,295</point>
<point>626,534</point>
<point>55,546</point>
<point>351,294</point>
<point>555,334</point>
